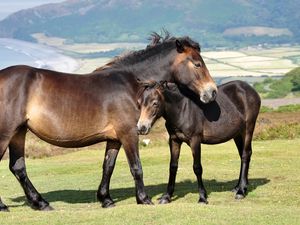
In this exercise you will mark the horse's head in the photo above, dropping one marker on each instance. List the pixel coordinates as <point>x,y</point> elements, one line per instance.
<point>151,103</point>
<point>190,70</point>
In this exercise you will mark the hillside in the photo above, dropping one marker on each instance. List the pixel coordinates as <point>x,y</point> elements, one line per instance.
<point>289,85</point>
<point>210,22</point>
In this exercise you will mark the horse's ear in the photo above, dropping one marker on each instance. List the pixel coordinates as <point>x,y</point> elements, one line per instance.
<point>163,84</point>
<point>179,46</point>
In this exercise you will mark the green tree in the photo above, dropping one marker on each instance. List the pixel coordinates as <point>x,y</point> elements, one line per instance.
<point>295,78</point>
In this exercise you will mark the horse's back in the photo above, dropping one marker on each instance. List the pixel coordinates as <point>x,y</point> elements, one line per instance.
<point>243,96</point>
<point>236,107</point>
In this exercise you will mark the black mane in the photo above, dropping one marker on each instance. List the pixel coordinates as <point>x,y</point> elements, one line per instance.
<point>159,46</point>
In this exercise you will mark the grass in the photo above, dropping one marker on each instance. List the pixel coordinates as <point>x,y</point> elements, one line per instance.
<point>281,109</point>
<point>69,183</point>
<point>280,123</point>
<point>282,131</point>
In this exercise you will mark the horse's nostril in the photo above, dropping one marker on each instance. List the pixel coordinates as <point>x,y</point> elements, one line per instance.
<point>143,129</point>
<point>214,94</point>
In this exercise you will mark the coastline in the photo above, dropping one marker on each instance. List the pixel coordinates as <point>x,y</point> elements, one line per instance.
<point>41,56</point>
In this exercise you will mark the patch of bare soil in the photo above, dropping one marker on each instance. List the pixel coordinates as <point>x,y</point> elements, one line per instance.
<point>275,103</point>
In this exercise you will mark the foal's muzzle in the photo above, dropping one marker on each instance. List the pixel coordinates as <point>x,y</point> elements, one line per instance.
<point>143,128</point>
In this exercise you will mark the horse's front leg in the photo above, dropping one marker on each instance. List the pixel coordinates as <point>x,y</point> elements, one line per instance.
<point>175,152</point>
<point>111,153</point>
<point>130,144</point>
<point>195,145</point>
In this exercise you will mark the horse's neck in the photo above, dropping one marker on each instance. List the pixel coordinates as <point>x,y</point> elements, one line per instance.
<point>173,99</point>
<point>153,69</point>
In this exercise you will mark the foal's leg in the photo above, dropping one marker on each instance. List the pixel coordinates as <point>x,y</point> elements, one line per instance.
<point>17,167</point>
<point>243,143</point>
<point>3,146</point>
<point>130,144</point>
<point>195,145</point>
<point>175,152</point>
<point>111,153</point>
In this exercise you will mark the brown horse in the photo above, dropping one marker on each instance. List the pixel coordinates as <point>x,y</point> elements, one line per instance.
<point>193,62</point>
<point>231,116</point>
<point>78,110</point>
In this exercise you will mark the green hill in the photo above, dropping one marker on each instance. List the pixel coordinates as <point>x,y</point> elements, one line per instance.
<point>289,84</point>
<point>214,23</point>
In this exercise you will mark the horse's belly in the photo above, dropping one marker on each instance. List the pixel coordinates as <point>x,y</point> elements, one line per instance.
<point>222,131</point>
<point>69,130</point>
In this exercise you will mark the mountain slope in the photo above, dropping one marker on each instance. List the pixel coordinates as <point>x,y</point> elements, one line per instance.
<point>133,20</point>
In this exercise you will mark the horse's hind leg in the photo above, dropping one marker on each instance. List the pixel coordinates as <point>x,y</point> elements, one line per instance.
<point>3,146</point>
<point>111,153</point>
<point>244,145</point>
<point>17,167</point>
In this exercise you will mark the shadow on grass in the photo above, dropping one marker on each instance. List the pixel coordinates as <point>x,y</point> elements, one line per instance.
<point>181,189</point>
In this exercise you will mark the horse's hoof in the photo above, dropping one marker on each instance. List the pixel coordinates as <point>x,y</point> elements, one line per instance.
<point>203,201</point>
<point>145,201</point>
<point>239,196</point>
<point>4,208</point>
<point>165,200</point>
<point>108,204</point>
<point>234,190</point>
<point>40,205</point>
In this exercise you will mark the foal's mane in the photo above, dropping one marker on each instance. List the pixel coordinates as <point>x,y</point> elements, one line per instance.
<point>160,45</point>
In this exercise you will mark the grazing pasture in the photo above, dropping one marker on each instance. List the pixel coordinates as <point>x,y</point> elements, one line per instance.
<point>72,180</point>
<point>252,61</point>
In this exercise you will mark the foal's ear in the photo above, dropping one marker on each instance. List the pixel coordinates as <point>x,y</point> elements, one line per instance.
<point>179,46</point>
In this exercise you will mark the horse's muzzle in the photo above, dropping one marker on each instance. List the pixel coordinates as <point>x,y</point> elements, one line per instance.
<point>208,95</point>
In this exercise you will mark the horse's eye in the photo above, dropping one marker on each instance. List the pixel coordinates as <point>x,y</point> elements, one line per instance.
<point>198,65</point>
<point>155,103</point>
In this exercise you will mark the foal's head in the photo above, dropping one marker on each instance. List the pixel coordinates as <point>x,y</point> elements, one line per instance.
<point>151,102</point>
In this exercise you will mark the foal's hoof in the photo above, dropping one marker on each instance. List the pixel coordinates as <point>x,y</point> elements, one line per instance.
<point>108,203</point>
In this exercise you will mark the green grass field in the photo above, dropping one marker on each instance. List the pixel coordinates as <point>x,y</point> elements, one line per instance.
<point>69,182</point>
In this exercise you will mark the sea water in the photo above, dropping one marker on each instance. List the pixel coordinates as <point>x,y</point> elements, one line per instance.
<point>16,52</point>
<point>9,57</point>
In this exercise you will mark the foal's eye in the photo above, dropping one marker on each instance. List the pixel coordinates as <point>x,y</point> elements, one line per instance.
<point>155,104</point>
<point>198,65</point>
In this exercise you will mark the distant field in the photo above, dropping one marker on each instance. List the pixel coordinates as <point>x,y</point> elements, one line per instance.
<point>252,61</point>
<point>69,183</point>
<point>244,62</point>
